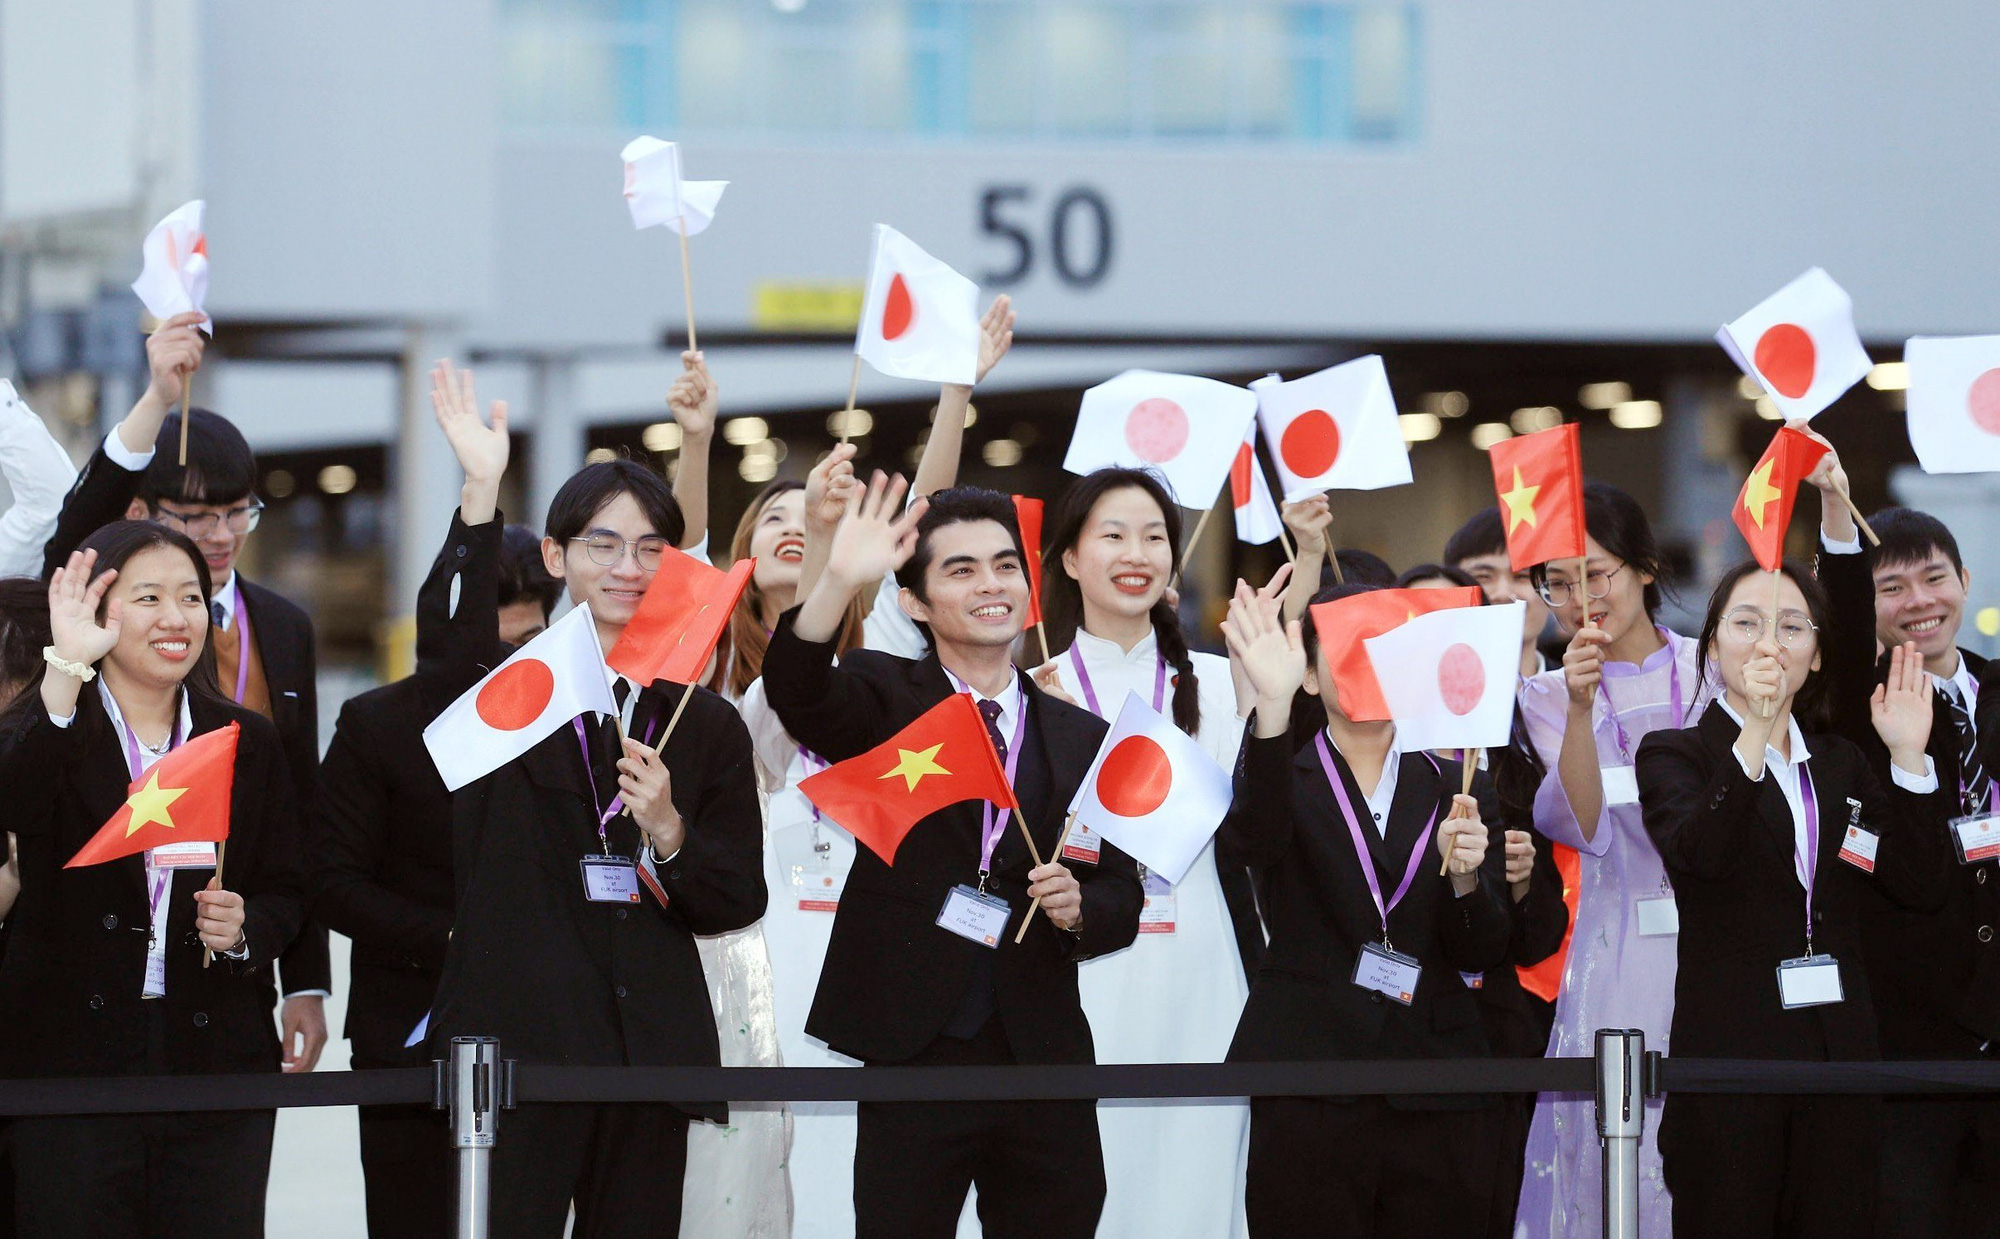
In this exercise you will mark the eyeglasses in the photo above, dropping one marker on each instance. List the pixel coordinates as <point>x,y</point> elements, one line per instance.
<point>199,525</point>
<point>1556,591</point>
<point>1745,624</point>
<point>606,549</point>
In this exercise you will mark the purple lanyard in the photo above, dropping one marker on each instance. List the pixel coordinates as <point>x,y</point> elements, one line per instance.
<point>242,614</point>
<point>995,819</point>
<point>162,878</point>
<point>1809,863</point>
<point>604,812</point>
<point>1090,693</point>
<point>1361,845</point>
<point>1618,727</point>
<point>813,765</point>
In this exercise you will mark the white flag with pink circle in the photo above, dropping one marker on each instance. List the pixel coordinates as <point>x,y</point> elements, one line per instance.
<point>1800,344</point>
<point>1184,427</point>
<point>1449,677</point>
<point>1334,430</point>
<point>1954,402</point>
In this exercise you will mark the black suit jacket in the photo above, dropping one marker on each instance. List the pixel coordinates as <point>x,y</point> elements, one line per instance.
<point>1304,1004</point>
<point>893,978</point>
<point>1729,847</point>
<point>284,637</point>
<point>1937,983</point>
<point>74,972</point>
<point>1541,918</point>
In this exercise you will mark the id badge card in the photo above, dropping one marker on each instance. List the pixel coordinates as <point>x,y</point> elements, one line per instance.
<point>610,879</point>
<point>1977,838</point>
<point>1621,785</point>
<point>1473,980</point>
<point>1083,845</point>
<point>975,917</point>
<point>184,856</point>
<point>1858,846</point>
<point>1391,974</point>
<point>1659,917</point>
<point>1156,914</point>
<point>815,876</point>
<point>1809,981</point>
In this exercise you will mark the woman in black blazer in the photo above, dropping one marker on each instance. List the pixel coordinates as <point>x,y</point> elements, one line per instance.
<point>105,972</point>
<point>1773,838</point>
<point>1359,968</point>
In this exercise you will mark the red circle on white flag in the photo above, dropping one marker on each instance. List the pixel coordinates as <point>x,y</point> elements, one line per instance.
<point>516,696</point>
<point>1135,778</point>
<point>1461,679</point>
<point>1311,443</point>
<point>899,309</point>
<point>1785,356</point>
<point>1982,402</point>
<point>1157,429</point>
<point>1239,475</point>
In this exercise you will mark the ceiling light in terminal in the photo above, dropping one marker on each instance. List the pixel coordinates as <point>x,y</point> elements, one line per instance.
<point>1000,453</point>
<point>1889,376</point>
<point>1538,417</point>
<point>1419,427</point>
<point>1749,388</point>
<point>774,449</point>
<point>600,455</point>
<point>858,422</point>
<point>739,431</point>
<point>1603,395</point>
<point>1768,409</point>
<point>1447,403</point>
<point>757,469</point>
<point>1486,434</point>
<point>336,479</point>
<point>279,483</point>
<point>662,437</point>
<point>1988,621</point>
<point>788,6</point>
<point>1637,414</point>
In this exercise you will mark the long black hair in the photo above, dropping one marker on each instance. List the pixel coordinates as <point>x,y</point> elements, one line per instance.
<point>1620,526</point>
<point>24,634</point>
<point>1809,707</point>
<point>1062,599</point>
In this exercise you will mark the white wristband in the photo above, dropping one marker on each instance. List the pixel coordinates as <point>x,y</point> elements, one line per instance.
<point>80,671</point>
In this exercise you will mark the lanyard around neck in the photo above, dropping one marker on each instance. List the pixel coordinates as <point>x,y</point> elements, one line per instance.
<point>1090,690</point>
<point>994,819</point>
<point>1382,910</point>
<point>1624,739</point>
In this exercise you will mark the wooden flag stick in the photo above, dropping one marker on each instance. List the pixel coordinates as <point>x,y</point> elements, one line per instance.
<point>214,884</point>
<point>853,386</point>
<point>187,389</point>
<point>687,285</point>
<point>1285,544</point>
<point>1187,552</point>
<point>1030,918</point>
<point>1333,557</point>
<point>686,694</point>
<point>1769,709</point>
<point>1042,633</point>
<point>1469,759</point>
<point>1847,501</point>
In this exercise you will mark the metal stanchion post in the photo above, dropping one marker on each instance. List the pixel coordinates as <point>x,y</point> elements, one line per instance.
<point>1621,1120</point>
<point>474,1086</point>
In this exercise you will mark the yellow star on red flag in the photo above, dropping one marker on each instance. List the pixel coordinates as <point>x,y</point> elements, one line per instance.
<point>1520,502</point>
<point>151,804</point>
<point>1759,494</point>
<point>914,767</point>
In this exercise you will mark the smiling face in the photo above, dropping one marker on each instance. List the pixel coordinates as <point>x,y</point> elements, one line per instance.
<point>1746,619</point>
<point>1923,601</point>
<point>611,591</point>
<point>975,586</point>
<point>163,618</point>
<point>1623,607</point>
<point>1504,585</point>
<point>778,540</point>
<point>1122,560</point>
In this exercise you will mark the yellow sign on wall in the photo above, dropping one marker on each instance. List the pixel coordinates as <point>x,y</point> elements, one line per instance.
<point>806,305</point>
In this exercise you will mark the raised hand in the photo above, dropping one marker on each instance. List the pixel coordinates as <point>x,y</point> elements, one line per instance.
<point>877,535</point>
<point>996,334</point>
<point>1271,652</point>
<point>1901,709</point>
<point>1583,667</point>
<point>1309,519</point>
<point>173,352</point>
<point>74,598</point>
<point>693,399</point>
<point>1273,590</point>
<point>1764,678</point>
<point>829,487</point>
<point>481,449</point>
<point>1049,680</point>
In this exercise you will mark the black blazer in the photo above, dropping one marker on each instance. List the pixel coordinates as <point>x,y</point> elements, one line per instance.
<point>1729,845</point>
<point>1937,983</point>
<point>284,637</point>
<point>73,975</point>
<point>1304,1004</point>
<point>1541,918</point>
<point>559,979</point>
<point>893,979</point>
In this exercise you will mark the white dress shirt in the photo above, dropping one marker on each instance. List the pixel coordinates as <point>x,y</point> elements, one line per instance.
<point>38,475</point>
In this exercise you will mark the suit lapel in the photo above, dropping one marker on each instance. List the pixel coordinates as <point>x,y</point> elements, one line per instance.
<point>1410,812</point>
<point>1718,734</point>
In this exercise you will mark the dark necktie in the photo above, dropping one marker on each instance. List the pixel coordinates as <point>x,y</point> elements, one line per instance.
<point>220,616</point>
<point>1973,781</point>
<point>991,711</point>
<point>621,688</point>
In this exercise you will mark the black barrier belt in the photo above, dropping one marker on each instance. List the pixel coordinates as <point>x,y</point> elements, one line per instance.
<point>178,1094</point>
<point>1735,1075</point>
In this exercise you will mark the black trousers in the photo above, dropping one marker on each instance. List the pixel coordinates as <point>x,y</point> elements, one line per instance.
<point>1364,1168</point>
<point>1771,1165</point>
<point>407,1165</point>
<point>160,1176</point>
<point>1940,1168</point>
<point>7,1230</point>
<point>620,1165</point>
<point>1038,1164</point>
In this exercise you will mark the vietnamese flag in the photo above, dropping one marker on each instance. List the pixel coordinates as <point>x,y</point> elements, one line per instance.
<point>1539,481</point>
<point>182,798</point>
<point>1764,507</point>
<point>945,756</point>
<point>1544,980</point>
<point>1345,624</point>
<point>679,620</point>
<point>1028,515</point>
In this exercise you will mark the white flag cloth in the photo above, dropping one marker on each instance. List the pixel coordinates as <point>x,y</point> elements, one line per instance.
<point>921,318</point>
<point>656,194</point>
<point>1800,344</point>
<point>1257,518</point>
<point>1334,430</point>
<point>1954,402</point>
<point>1449,677</point>
<point>1153,791</point>
<point>1186,428</point>
<point>175,278</point>
<point>549,681</point>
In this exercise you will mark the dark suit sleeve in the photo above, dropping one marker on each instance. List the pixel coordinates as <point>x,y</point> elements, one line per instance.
<point>353,824</point>
<point>1258,828</point>
<point>830,709</point>
<point>715,883</point>
<point>274,897</point>
<point>1477,927</point>
<point>1986,715</point>
<point>1850,643</point>
<point>1914,861</point>
<point>458,640</point>
<point>307,963</point>
<point>1112,897</point>
<point>102,493</point>
<point>1697,819</point>
<point>1541,918</point>
<point>31,750</point>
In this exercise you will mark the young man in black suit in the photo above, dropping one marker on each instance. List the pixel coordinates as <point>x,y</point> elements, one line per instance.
<point>1936,977</point>
<point>900,988</point>
<point>136,474</point>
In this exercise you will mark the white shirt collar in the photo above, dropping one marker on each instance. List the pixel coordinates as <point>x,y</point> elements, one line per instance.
<point>1008,697</point>
<point>1098,650</point>
<point>1384,794</point>
<point>1800,753</point>
<point>146,756</point>
<point>1961,683</point>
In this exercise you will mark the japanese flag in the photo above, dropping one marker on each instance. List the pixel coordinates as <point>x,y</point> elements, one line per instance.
<point>1335,430</point>
<point>1954,401</point>
<point>549,681</point>
<point>656,194</point>
<point>1257,519</point>
<point>1186,428</point>
<point>1450,676</point>
<point>921,318</point>
<point>175,278</point>
<point>1800,344</point>
<point>1153,791</point>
